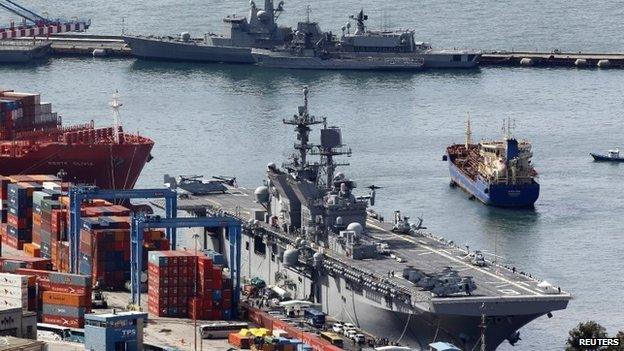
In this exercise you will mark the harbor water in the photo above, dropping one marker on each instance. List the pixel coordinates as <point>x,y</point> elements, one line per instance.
<point>216,119</point>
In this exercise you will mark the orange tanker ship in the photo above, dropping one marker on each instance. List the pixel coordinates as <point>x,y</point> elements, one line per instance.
<point>34,141</point>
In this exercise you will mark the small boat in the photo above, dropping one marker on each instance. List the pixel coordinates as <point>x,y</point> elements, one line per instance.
<point>611,156</point>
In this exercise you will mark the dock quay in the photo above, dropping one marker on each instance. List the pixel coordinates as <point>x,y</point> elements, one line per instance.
<point>115,46</point>
<point>83,45</point>
<point>555,58</point>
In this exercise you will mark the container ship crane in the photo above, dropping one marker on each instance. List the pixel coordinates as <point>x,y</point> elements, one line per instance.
<point>33,24</point>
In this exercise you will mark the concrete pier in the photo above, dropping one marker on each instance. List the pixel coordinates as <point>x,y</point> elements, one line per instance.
<point>555,58</point>
<point>114,46</point>
<point>85,45</point>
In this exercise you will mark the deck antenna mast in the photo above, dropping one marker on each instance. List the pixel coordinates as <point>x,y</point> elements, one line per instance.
<point>308,11</point>
<point>115,105</point>
<point>483,326</point>
<point>468,132</point>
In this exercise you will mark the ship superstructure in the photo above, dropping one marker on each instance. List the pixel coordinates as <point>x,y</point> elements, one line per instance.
<point>33,140</point>
<point>397,43</point>
<point>309,233</point>
<point>499,173</point>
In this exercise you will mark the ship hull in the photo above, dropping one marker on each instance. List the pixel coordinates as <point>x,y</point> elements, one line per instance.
<point>170,50</point>
<point>499,195</point>
<point>269,59</point>
<point>456,321</point>
<point>116,166</point>
<point>434,59</point>
<point>606,158</point>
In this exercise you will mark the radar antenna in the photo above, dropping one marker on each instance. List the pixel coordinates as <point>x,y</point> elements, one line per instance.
<point>302,122</point>
<point>117,127</point>
<point>308,12</point>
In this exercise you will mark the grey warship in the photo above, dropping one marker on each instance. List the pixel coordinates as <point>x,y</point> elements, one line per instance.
<point>307,232</point>
<point>241,34</point>
<point>311,48</point>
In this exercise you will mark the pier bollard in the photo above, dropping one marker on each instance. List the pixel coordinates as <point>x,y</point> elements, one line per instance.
<point>603,63</point>
<point>100,53</point>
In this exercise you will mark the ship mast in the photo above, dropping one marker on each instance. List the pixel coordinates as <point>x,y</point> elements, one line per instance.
<point>302,122</point>
<point>483,326</point>
<point>115,105</point>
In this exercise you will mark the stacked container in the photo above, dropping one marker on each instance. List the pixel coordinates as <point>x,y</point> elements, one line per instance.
<point>171,282</point>
<point>39,225</point>
<point>17,290</point>
<point>65,298</point>
<point>4,197</point>
<point>19,218</point>
<point>179,281</point>
<point>105,247</point>
<point>27,113</point>
<point>10,110</point>
<point>10,264</point>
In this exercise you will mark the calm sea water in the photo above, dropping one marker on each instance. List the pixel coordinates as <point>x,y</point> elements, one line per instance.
<point>226,119</point>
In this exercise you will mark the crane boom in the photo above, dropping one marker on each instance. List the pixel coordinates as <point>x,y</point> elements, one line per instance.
<point>10,9</point>
<point>27,11</point>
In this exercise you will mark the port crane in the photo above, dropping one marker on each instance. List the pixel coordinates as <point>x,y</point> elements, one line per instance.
<point>34,24</point>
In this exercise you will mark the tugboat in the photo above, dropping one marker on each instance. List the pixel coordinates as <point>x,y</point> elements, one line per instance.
<point>498,173</point>
<point>611,156</point>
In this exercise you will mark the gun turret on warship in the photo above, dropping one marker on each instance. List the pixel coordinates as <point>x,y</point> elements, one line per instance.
<point>241,34</point>
<point>309,233</point>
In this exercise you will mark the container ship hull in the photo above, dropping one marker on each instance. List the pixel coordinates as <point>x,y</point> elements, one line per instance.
<point>114,166</point>
<point>500,195</point>
<point>33,140</point>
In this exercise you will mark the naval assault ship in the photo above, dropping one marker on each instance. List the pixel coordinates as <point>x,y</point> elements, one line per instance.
<point>307,232</point>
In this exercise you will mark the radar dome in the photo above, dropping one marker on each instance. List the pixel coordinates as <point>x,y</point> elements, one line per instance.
<point>339,176</point>
<point>186,36</point>
<point>338,220</point>
<point>262,194</point>
<point>291,257</point>
<point>271,166</point>
<point>263,15</point>
<point>356,227</point>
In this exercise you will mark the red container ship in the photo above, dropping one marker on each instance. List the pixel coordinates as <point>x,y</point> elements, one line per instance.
<point>34,141</point>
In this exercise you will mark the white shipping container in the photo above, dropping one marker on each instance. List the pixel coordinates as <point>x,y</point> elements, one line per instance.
<point>7,302</point>
<point>10,279</point>
<point>13,291</point>
<point>51,185</point>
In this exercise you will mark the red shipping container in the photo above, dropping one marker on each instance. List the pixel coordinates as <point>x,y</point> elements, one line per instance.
<point>63,321</point>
